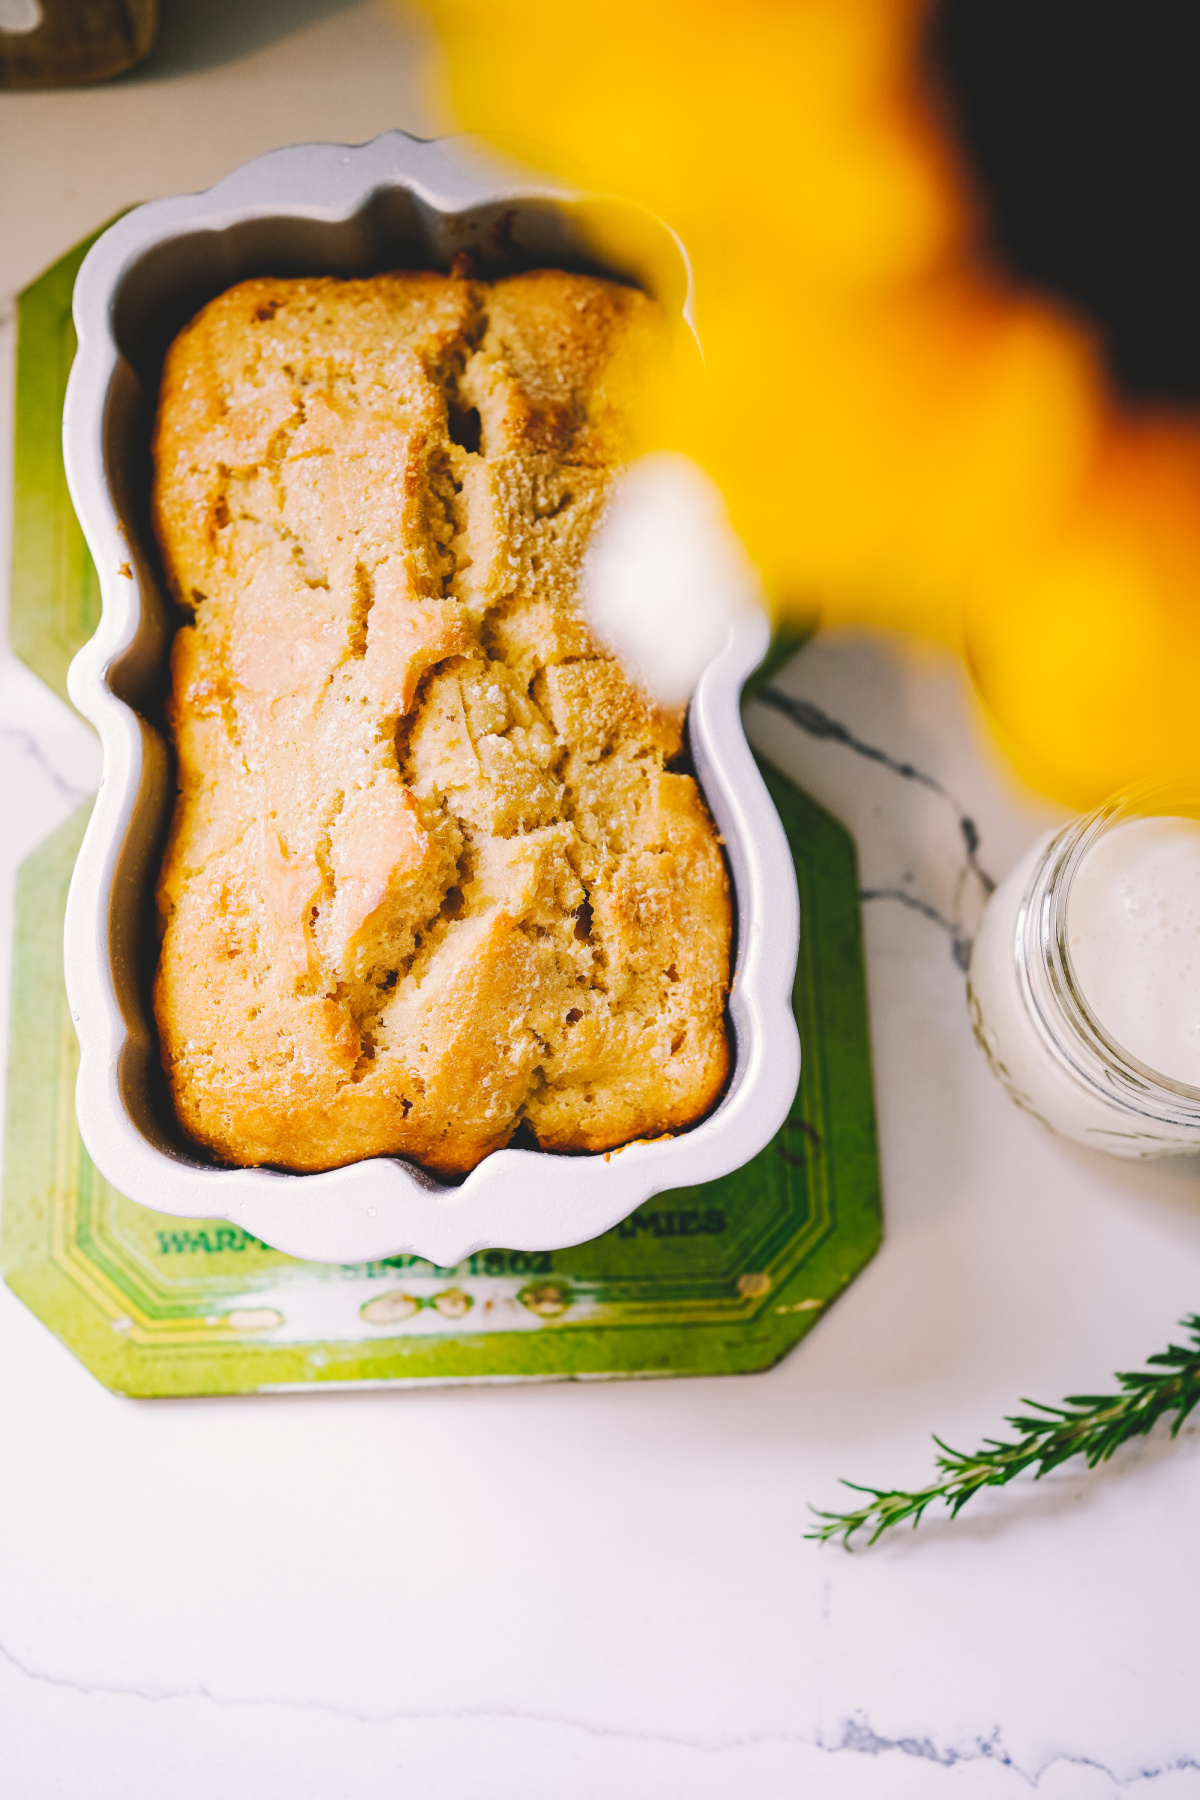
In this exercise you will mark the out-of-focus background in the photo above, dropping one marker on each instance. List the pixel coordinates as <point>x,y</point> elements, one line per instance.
<point>946,287</point>
<point>224,81</point>
<point>929,241</point>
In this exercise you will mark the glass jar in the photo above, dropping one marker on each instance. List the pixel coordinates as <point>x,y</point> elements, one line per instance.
<point>1032,1019</point>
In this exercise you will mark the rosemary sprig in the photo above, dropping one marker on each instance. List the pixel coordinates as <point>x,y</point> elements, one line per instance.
<point>1087,1425</point>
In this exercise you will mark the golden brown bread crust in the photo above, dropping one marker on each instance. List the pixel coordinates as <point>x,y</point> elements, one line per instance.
<point>429,874</point>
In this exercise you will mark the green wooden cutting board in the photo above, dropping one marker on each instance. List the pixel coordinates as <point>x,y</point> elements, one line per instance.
<point>718,1279</point>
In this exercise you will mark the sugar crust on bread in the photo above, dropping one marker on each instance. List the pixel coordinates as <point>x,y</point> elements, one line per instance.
<point>431,875</point>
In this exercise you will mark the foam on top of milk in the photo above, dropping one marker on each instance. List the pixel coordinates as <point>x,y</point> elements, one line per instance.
<point>1133,925</point>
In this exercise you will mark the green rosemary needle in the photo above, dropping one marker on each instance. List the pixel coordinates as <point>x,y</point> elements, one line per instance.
<point>1087,1425</point>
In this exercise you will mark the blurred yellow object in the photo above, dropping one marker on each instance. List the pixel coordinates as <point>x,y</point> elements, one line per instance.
<point>1085,644</point>
<point>903,438</point>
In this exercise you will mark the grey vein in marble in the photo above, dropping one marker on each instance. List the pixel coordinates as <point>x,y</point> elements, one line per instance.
<point>27,745</point>
<point>860,1736</point>
<point>45,731</point>
<point>817,723</point>
<point>960,944</point>
<point>857,1736</point>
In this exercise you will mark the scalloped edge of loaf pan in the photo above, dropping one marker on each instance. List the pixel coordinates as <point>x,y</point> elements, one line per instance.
<point>328,204</point>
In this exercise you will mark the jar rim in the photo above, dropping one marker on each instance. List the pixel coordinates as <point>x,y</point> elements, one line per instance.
<point>1052,980</point>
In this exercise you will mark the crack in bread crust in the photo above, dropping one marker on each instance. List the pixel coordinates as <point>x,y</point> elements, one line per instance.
<point>430,876</point>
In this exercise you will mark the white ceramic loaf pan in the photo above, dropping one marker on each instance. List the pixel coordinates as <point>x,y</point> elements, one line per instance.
<point>329,209</point>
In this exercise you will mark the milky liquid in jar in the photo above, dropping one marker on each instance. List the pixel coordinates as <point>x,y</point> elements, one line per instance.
<point>1085,977</point>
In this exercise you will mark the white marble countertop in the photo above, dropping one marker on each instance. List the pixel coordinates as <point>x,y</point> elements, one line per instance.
<point>605,1589</point>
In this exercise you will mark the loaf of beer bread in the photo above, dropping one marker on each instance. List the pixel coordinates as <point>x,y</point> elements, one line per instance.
<point>435,876</point>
